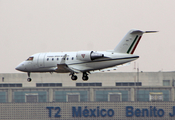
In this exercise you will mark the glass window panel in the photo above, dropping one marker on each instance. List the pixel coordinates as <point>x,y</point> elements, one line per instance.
<point>78,84</point>
<point>45,84</point>
<point>5,85</point>
<point>138,84</point>
<point>98,84</point>
<point>131,84</point>
<point>38,85</point>
<point>3,97</point>
<point>85,84</point>
<point>62,95</point>
<point>124,99</point>
<point>58,84</point>
<point>125,84</point>
<point>52,84</point>
<point>118,84</point>
<point>18,85</point>
<point>166,82</point>
<point>12,85</point>
<point>92,84</point>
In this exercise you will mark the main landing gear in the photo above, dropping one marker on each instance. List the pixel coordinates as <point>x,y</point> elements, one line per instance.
<point>73,77</point>
<point>29,79</point>
<point>84,77</point>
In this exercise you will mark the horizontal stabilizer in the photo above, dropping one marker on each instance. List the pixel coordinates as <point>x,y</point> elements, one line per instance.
<point>150,31</point>
<point>139,31</point>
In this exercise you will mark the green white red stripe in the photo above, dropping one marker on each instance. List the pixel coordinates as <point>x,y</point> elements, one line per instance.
<point>134,45</point>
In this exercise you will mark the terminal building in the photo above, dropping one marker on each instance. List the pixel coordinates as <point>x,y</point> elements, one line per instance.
<point>108,96</point>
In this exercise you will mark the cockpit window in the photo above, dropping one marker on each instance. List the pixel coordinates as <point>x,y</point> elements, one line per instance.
<point>30,59</point>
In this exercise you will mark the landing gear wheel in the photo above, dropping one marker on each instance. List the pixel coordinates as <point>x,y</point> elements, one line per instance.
<point>29,79</point>
<point>74,77</point>
<point>85,78</point>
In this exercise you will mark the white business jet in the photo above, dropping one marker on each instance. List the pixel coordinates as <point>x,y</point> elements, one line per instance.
<point>84,61</point>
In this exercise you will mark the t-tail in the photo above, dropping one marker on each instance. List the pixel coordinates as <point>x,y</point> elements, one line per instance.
<point>130,41</point>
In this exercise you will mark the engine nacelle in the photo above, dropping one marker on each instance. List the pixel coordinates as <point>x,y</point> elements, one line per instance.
<point>88,55</point>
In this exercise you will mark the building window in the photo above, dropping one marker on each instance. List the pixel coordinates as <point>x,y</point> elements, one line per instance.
<point>173,82</point>
<point>11,85</point>
<point>31,97</point>
<point>128,84</point>
<point>3,97</point>
<point>110,95</point>
<point>145,96</point>
<point>63,96</point>
<point>166,82</point>
<point>25,96</point>
<point>155,96</point>
<point>88,84</point>
<point>73,97</point>
<point>48,84</point>
<point>114,97</point>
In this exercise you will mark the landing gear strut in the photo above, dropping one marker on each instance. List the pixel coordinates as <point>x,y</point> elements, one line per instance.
<point>85,76</point>
<point>29,79</point>
<point>73,77</point>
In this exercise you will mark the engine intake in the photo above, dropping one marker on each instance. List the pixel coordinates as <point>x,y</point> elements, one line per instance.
<point>88,55</point>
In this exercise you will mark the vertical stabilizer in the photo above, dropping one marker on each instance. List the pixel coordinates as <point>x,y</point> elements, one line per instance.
<point>130,41</point>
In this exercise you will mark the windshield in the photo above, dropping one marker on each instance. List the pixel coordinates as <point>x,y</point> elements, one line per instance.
<point>30,59</point>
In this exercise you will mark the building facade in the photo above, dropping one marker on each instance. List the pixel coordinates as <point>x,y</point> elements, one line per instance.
<point>105,96</point>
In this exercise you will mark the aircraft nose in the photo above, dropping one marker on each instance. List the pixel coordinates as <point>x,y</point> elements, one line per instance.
<point>20,67</point>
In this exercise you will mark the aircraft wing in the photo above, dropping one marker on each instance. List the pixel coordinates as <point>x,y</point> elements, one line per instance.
<point>63,67</point>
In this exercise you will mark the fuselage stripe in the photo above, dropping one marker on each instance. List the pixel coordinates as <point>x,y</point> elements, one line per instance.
<point>136,45</point>
<point>132,45</point>
<point>104,60</point>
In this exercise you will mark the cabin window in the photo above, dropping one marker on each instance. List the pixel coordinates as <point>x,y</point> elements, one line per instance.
<point>47,59</point>
<point>72,58</point>
<point>63,58</point>
<point>52,59</point>
<point>57,58</point>
<point>67,58</point>
<point>30,59</point>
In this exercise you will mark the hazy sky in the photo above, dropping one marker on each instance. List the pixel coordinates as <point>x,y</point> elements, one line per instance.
<point>31,26</point>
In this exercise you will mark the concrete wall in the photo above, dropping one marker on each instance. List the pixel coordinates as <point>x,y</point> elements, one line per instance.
<point>39,111</point>
<point>107,79</point>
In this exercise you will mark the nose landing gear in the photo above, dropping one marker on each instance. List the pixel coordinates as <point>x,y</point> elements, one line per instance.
<point>29,79</point>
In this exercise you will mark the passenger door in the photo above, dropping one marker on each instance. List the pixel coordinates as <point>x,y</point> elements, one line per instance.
<point>41,62</point>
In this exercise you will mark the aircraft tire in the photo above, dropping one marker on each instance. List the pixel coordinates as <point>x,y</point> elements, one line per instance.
<point>85,78</point>
<point>29,79</point>
<point>74,77</point>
